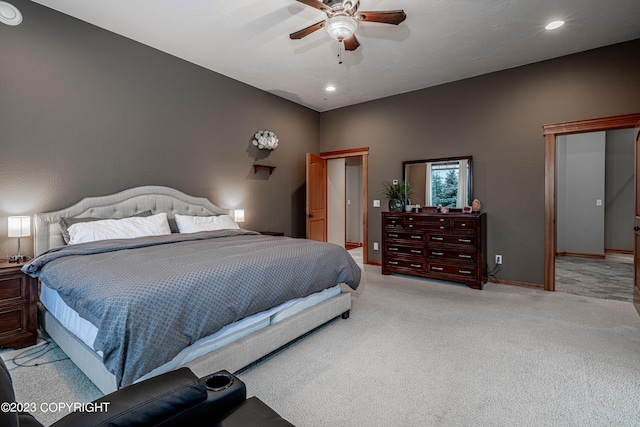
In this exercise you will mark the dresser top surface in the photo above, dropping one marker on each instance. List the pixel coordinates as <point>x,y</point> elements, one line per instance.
<point>438,215</point>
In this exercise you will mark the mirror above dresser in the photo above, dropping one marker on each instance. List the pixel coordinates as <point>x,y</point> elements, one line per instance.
<point>446,182</point>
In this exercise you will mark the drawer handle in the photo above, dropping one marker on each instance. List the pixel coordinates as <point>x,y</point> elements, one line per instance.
<point>416,265</point>
<point>392,262</point>
<point>437,268</point>
<point>464,256</point>
<point>438,253</point>
<point>410,225</point>
<point>441,219</point>
<point>415,251</point>
<point>393,249</point>
<point>392,235</point>
<point>437,238</point>
<point>464,271</point>
<point>410,218</point>
<point>464,240</point>
<point>417,237</point>
<point>464,224</point>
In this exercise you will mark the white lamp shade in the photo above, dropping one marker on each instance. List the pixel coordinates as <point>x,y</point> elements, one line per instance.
<point>19,226</point>
<point>341,27</point>
<point>238,215</point>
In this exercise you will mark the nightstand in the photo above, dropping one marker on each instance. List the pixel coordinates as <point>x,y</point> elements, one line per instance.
<point>18,314</point>
<point>272,233</point>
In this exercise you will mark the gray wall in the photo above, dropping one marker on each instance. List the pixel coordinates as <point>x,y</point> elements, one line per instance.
<point>580,184</point>
<point>497,118</point>
<point>619,190</point>
<point>85,112</point>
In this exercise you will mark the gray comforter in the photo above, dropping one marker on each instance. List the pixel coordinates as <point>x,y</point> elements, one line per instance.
<point>151,297</point>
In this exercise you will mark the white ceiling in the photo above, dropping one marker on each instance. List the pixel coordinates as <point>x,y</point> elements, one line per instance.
<point>439,42</point>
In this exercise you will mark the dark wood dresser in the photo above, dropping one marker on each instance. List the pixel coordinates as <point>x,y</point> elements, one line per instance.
<point>449,246</point>
<point>18,299</point>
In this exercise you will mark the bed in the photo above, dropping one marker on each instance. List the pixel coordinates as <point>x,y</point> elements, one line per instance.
<point>76,280</point>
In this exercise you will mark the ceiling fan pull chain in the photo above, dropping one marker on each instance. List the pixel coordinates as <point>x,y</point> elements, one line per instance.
<point>339,51</point>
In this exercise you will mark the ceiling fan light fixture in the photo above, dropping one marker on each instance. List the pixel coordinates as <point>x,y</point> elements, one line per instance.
<point>341,27</point>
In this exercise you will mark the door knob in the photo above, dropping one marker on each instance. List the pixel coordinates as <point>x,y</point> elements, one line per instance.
<point>636,228</point>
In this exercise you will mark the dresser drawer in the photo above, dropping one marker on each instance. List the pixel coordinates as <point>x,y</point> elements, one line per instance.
<point>392,221</point>
<point>400,264</point>
<point>452,269</point>
<point>405,236</point>
<point>454,239</point>
<point>438,253</point>
<point>418,251</point>
<point>458,224</point>
<point>426,223</point>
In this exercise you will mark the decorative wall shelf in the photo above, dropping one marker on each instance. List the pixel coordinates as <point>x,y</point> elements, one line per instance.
<point>256,168</point>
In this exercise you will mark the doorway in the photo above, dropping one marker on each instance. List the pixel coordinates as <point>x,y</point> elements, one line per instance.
<point>595,205</point>
<point>551,133</point>
<point>347,193</point>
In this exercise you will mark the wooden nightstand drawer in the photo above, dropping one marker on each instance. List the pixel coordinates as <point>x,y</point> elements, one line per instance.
<point>12,320</point>
<point>13,288</point>
<point>18,297</point>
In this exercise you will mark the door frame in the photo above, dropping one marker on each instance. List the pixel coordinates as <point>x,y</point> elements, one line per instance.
<point>551,131</point>
<point>364,154</point>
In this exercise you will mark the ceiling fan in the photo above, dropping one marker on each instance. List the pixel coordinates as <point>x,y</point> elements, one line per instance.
<point>342,20</point>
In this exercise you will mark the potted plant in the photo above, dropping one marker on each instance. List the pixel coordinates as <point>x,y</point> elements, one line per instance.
<point>397,194</point>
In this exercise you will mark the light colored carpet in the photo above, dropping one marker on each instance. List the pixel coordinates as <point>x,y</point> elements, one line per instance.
<point>418,353</point>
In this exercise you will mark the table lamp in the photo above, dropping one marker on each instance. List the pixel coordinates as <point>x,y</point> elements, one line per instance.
<point>19,226</point>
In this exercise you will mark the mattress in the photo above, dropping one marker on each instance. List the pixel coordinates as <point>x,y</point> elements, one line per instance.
<point>87,332</point>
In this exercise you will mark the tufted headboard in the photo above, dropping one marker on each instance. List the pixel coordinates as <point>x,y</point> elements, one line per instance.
<point>126,203</point>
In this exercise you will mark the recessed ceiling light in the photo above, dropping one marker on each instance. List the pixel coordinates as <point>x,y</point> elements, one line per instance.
<point>330,88</point>
<point>554,25</point>
<point>9,14</point>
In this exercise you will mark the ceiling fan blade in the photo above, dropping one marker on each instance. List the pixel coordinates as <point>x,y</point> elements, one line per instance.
<point>388,17</point>
<point>351,43</point>
<point>306,31</point>
<point>317,4</point>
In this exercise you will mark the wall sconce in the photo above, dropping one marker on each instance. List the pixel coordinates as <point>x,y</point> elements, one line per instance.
<point>19,226</point>
<point>265,140</point>
<point>238,215</point>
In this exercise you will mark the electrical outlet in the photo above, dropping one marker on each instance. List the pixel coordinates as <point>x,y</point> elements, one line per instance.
<point>498,259</point>
<point>376,203</point>
<point>375,246</point>
<point>394,182</point>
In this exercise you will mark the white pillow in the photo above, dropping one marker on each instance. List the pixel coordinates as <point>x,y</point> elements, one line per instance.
<point>125,228</point>
<point>193,224</point>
